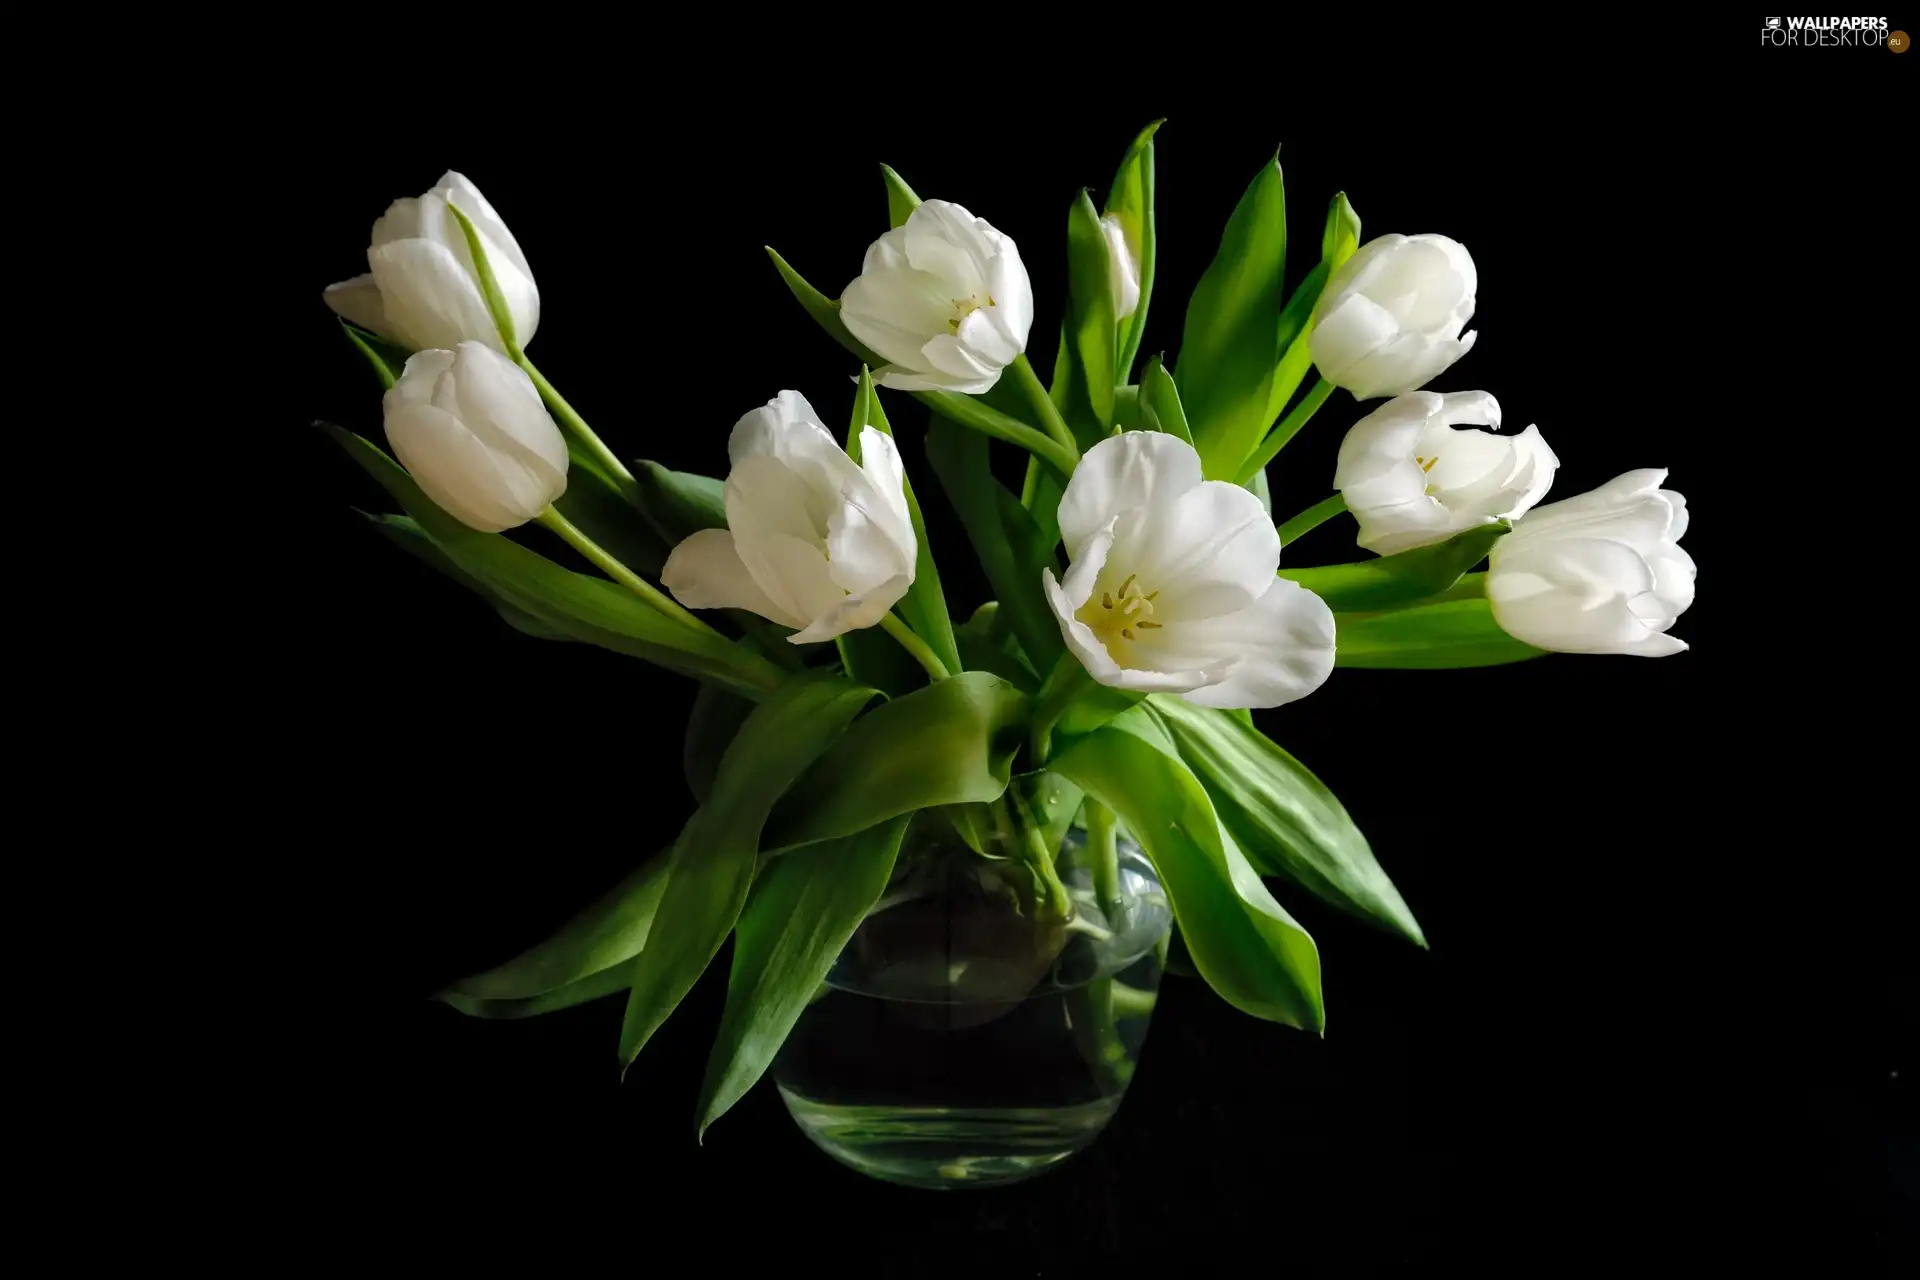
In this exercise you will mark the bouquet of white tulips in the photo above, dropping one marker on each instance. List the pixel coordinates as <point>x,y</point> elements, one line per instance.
<point>1141,608</point>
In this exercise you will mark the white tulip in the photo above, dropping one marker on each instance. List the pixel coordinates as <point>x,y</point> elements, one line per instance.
<point>813,541</point>
<point>1123,271</point>
<point>1599,573</point>
<point>422,291</point>
<point>1390,319</point>
<point>470,428</point>
<point>944,299</point>
<point>1171,586</point>
<point>1412,479</point>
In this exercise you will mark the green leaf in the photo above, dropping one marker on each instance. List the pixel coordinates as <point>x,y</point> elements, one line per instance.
<point>583,607</point>
<point>970,412</point>
<point>952,742</point>
<point>1391,582</point>
<point>1087,398</point>
<point>404,532</point>
<point>924,607</point>
<point>1232,338</point>
<point>1161,399</point>
<point>1258,488</point>
<point>594,986</point>
<point>711,727</point>
<point>712,863</point>
<point>1342,233</point>
<point>1011,548</point>
<point>1130,198</point>
<point>1283,818</point>
<point>985,646</point>
<point>388,361</point>
<point>1296,357</point>
<point>824,310</point>
<point>900,198</point>
<point>804,909</point>
<point>678,504</point>
<point>602,937</point>
<point>597,507</point>
<point>489,285</point>
<point>1449,634</point>
<point>1243,942</point>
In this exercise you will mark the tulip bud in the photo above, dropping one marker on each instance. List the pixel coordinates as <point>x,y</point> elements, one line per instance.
<point>1390,319</point>
<point>814,540</point>
<point>1124,268</point>
<point>944,299</point>
<point>1412,479</point>
<point>469,426</point>
<point>1599,573</point>
<point>423,291</point>
<point>1171,586</point>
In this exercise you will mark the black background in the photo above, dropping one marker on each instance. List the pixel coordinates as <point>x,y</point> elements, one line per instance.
<point>1626,1035</point>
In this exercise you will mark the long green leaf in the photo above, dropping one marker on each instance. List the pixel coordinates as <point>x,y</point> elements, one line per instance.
<point>1391,582</point>
<point>711,866</point>
<point>925,605</point>
<point>803,910</point>
<point>597,507</point>
<point>901,202</point>
<point>1341,235</point>
<point>404,532</point>
<point>1283,818</point>
<point>387,360</point>
<point>1231,341</point>
<point>678,504</point>
<point>1086,401</point>
<point>952,742</point>
<point>609,932</point>
<point>1130,199</point>
<point>595,986</point>
<point>1449,634</point>
<point>1011,549</point>
<point>586,608</point>
<point>1244,943</point>
<point>711,727</point>
<point>986,646</point>
<point>824,310</point>
<point>1160,398</point>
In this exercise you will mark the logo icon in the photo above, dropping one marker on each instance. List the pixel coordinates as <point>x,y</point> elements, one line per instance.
<point>1773,24</point>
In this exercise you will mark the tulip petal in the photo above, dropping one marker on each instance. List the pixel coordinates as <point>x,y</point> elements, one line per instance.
<point>1277,650</point>
<point>855,612</point>
<point>430,299</point>
<point>1345,336</point>
<point>1213,550</point>
<point>357,301</point>
<point>793,572</point>
<point>1100,664</point>
<point>1133,469</point>
<point>705,572</point>
<point>452,467</point>
<point>500,404</point>
<point>459,192</point>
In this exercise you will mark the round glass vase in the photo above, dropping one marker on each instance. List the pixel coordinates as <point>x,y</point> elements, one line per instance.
<point>967,1036</point>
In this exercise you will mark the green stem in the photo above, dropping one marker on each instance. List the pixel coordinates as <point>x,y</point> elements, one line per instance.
<point>1312,518</point>
<point>1131,1002</point>
<point>1103,850</point>
<point>620,573</point>
<point>922,652</point>
<point>969,412</point>
<point>570,418</point>
<point>1287,428</point>
<point>1472,586</point>
<point>1036,393</point>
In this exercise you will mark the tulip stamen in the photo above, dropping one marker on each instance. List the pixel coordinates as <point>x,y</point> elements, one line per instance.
<point>1145,623</point>
<point>1106,600</point>
<point>1127,632</point>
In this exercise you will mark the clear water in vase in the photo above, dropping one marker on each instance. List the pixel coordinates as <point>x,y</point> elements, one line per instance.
<point>958,1043</point>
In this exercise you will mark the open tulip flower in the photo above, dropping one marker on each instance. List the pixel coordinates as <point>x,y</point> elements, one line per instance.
<point>1172,586</point>
<point>1412,477</point>
<point>889,770</point>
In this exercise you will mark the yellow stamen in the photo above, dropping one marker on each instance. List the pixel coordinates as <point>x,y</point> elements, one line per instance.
<point>1127,585</point>
<point>1147,623</point>
<point>1106,600</point>
<point>1127,632</point>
